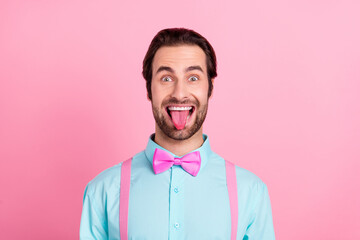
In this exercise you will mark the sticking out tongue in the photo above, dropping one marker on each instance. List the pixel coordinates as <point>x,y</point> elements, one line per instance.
<point>179,118</point>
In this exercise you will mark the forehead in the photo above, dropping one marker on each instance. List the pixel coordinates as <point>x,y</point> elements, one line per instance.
<point>179,57</point>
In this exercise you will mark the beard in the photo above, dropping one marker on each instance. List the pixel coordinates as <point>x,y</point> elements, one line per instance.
<point>170,130</point>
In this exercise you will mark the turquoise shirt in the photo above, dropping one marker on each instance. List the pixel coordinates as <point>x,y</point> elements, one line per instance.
<point>174,204</point>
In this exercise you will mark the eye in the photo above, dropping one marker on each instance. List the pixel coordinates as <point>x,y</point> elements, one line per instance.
<point>166,79</point>
<point>193,78</point>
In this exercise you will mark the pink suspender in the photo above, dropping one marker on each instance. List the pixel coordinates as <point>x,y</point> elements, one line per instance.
<point>232,189</point>
<point>124,198</point>
<point>125,191</point>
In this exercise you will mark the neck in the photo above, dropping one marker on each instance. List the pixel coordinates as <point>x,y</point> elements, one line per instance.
<point>179,147</point>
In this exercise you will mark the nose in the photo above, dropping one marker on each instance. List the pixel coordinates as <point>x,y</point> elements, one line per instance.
<point>180,90</point>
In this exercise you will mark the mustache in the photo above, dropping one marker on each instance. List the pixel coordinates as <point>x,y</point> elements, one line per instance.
<point>176,101</point>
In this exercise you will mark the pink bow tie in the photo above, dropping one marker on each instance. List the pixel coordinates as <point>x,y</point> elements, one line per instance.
<point>163,160</point>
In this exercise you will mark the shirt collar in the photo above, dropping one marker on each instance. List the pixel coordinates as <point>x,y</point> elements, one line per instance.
<point>204,149</point>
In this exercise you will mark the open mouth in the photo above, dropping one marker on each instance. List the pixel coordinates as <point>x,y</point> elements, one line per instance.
<point>180,115</point>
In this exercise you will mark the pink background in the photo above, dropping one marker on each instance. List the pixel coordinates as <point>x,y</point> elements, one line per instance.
<point>286,105</point>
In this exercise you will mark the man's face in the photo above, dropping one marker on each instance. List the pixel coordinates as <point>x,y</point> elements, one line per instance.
<point>179,89</point>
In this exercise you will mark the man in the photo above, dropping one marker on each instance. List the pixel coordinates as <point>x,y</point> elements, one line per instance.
<point>177,188</point>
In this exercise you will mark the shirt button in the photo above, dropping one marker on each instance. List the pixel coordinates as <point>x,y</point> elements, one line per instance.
<point>176,225</point>
<point>176,190</point>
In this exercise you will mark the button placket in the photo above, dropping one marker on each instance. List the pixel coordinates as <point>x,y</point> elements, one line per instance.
<point>176,230</point>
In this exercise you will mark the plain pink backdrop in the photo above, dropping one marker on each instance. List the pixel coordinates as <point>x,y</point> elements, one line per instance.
<point>286,105</point>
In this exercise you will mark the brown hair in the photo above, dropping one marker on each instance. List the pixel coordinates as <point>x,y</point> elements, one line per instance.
<point>174,37</point>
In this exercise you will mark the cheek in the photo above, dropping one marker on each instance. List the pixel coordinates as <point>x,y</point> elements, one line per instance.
<point>157,95</point>
<point>203,91</point>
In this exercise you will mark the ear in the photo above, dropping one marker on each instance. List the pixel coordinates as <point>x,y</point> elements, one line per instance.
<point>147,92</point>
<point>212,91</point>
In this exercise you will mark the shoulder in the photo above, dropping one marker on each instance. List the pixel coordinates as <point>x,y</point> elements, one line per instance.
<point>107,180</point>
<point>246,180</point>
<point>251,190</point>
<point>250,187</point>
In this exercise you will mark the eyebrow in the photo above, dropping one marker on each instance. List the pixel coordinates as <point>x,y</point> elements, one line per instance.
<point>188,69</point>
<point>196,67</point>
<point>165,68</point>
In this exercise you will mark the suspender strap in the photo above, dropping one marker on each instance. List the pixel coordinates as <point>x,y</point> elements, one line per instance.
<point>233,197</point>
<point>124,198</point>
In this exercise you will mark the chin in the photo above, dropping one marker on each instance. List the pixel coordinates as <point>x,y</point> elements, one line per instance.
<point>183,134</point>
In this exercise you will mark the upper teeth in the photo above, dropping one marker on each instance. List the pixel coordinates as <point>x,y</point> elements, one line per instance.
<point>179,108</point>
